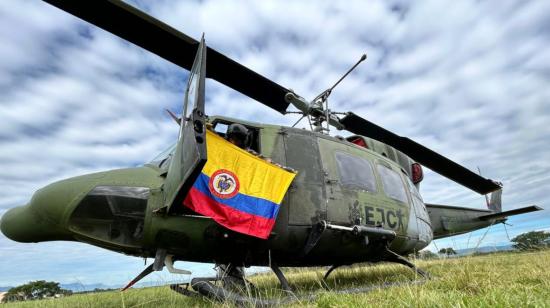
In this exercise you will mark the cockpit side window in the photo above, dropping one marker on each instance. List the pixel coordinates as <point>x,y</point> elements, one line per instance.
<point>112,213</point>
<point>220,127</point>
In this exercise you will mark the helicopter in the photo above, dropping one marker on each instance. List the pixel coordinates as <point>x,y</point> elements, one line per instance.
<point>358,194</point>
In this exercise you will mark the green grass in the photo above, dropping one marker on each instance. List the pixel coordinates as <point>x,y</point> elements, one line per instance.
<point>496,280</point>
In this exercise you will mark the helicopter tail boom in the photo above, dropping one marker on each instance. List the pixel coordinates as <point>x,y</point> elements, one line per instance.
<point>453,220</point>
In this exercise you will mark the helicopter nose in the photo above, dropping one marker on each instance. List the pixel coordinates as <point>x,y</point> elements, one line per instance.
<point>20,224</point>
<point>7,225</point>
<point>40,220</point>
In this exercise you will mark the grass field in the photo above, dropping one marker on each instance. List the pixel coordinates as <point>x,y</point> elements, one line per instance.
<point>496,280</point>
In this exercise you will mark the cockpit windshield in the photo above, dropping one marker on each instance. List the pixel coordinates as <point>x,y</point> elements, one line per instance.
<point>163,156</point>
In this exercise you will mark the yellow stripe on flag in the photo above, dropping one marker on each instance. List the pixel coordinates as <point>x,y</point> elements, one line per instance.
<point>257,177</point>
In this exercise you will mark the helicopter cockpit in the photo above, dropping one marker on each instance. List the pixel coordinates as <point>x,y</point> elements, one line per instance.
<point>219,126</point>
<point>113,214</point>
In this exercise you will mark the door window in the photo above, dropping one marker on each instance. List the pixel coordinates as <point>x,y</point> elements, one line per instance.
<point>355,172</point>
<point>392,183</point>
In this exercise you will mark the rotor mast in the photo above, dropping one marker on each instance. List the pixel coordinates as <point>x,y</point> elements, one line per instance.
<point>317,110</point>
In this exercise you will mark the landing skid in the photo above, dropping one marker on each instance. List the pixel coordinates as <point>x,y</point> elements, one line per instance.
<point>207,287</point>
<point>234,287</point>
<point>396,258</point>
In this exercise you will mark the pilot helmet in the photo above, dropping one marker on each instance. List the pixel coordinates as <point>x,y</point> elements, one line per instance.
<point>237,132</point>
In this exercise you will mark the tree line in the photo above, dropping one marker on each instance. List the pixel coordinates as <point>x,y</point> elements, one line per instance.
<point>35,290</point>
<point>529,241</point>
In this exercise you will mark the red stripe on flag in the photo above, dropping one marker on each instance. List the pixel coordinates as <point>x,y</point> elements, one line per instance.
<point>227,216</point>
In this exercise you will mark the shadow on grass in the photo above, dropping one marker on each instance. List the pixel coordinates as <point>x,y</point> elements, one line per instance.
<point>310,280</point>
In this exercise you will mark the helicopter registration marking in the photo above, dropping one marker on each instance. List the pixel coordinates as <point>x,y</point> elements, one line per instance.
<point>393,219</point>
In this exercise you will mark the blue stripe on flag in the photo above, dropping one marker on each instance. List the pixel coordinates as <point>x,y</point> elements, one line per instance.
<point>241,202</point>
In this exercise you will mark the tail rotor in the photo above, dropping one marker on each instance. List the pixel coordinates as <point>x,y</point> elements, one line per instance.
<point>495,203</point>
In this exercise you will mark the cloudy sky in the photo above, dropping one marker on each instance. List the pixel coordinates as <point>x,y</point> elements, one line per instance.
<point>469,79</point>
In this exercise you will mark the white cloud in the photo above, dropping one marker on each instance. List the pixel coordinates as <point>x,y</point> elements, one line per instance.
<point>467,79</point>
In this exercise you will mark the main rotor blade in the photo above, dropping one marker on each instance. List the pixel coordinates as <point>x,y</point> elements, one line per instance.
<point>420,153</point>
<point>159,38</point>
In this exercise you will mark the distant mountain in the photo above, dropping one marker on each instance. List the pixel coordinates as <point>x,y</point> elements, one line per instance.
<point>484,249</point>
<point>79,287</point>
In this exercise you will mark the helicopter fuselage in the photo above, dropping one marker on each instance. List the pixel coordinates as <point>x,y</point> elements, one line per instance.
<point>338,182</point>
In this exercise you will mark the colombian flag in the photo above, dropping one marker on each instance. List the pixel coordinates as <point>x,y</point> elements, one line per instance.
<point>238,190</point>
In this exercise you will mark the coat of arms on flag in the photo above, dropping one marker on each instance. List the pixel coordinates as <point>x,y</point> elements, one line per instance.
<point>238,190</point>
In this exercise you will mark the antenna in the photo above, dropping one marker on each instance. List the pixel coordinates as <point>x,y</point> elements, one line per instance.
<point>317,110</point>
<point>325,94</point>
<point>173,116</point>
<point>321,102</point>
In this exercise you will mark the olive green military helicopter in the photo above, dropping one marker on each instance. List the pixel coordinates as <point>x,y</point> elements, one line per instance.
<point>353,200</point>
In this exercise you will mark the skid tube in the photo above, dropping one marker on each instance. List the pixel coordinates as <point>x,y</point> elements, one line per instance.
<point>206,287</point>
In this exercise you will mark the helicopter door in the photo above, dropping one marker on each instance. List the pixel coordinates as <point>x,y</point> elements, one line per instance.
<point>190,155</point>
<point>306,197</point>
<point>336,211</point>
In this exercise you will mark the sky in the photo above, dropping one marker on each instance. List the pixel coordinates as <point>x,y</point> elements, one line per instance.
<point>468,79</point>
